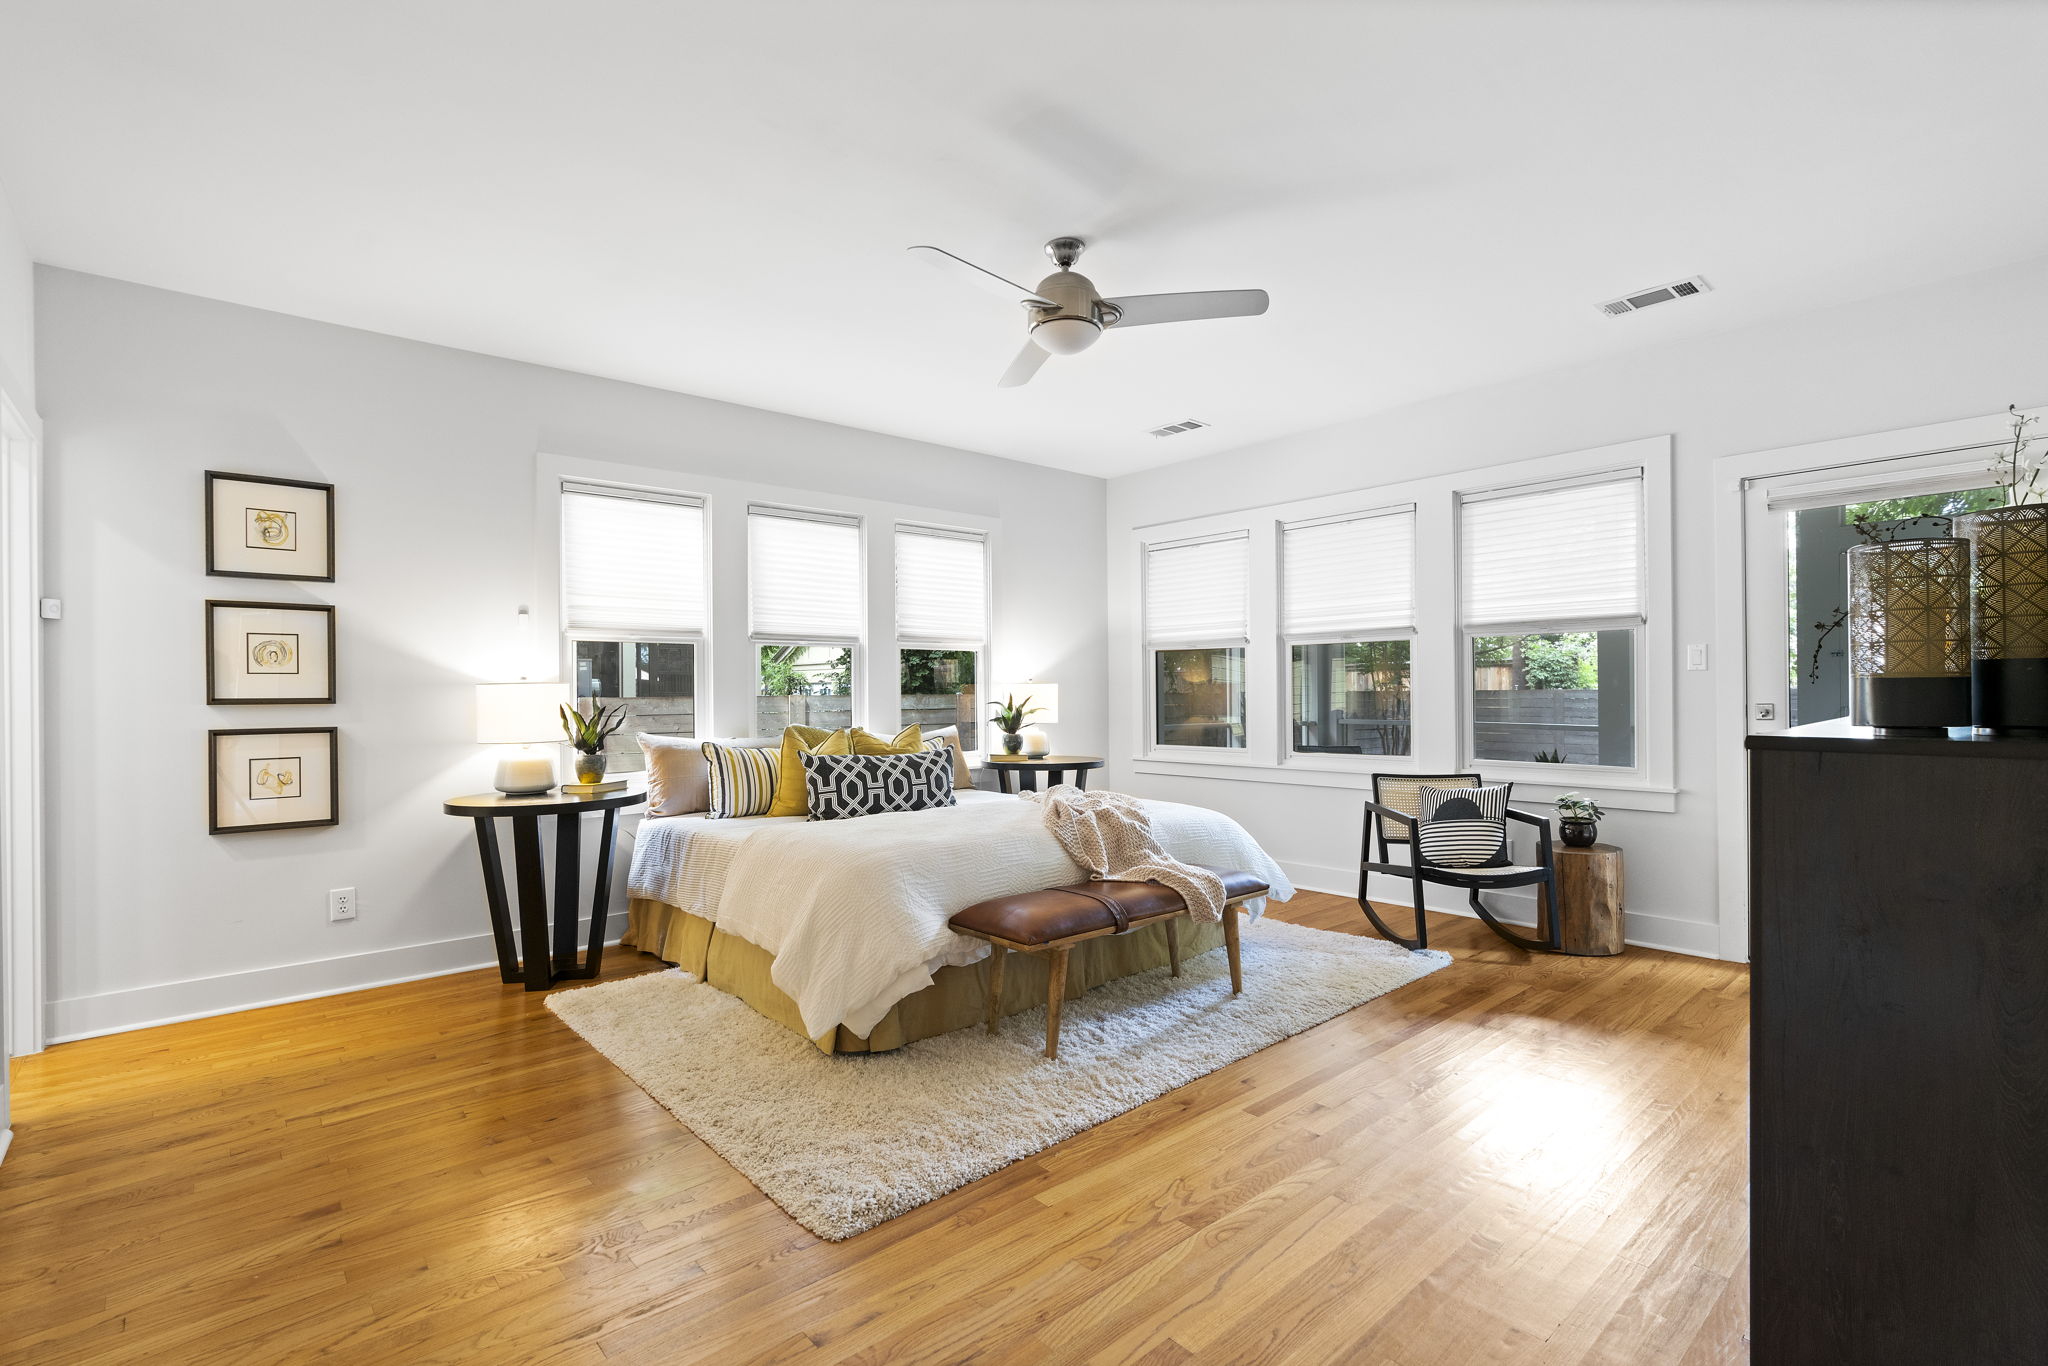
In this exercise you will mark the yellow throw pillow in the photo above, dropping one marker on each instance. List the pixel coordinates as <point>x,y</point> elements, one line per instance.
<point>909,740</point>
<point>792,798</point>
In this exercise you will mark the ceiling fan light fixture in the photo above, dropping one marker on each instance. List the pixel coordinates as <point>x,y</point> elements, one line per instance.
<point>1066,336</point>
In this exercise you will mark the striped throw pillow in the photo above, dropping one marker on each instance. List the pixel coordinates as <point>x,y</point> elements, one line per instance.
<point>742,780</point>
<point>1464,827</point>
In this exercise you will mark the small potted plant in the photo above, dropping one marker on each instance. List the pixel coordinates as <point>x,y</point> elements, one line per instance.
<point>588,734</point>
<point>1010,717</point>
<point>1578,820</point>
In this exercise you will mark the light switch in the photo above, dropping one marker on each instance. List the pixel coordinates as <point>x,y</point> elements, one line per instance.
<point>1695,656</point>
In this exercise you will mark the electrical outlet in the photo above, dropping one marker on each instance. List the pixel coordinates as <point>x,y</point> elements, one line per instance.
<point>341,903</point>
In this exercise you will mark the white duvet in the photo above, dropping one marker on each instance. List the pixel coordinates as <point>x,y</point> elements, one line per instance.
<point>855,911</point>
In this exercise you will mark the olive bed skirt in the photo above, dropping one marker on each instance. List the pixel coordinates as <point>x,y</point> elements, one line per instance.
<point>956,998</point>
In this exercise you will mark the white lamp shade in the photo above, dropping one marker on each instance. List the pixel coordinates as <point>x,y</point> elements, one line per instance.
<point>1045,695</point>
<point>519,713</point>
<point>1065,336</point>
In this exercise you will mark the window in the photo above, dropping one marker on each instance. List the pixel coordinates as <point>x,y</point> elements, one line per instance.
<point>633,594</point>
<point>1552,585</point>
<point>1196,627</point>
<point>941,627</point>
<point>804,588</point>
<point>1347,610</point>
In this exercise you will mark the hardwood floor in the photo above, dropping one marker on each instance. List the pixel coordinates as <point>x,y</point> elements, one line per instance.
<point>1518,1159</point>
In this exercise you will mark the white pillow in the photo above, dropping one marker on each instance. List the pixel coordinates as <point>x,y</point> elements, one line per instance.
<point>678,781</point>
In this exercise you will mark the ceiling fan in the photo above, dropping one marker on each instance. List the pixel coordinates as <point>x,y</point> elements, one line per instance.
<point>1068,315</point>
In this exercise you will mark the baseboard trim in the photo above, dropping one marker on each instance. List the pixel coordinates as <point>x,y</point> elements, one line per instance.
<point>6,1142</point>
<point>1694,938</point>
<point>197,998</point>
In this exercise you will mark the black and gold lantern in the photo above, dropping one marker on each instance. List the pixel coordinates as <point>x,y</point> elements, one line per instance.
<point>2009,609</point>
<point>1909,634</point>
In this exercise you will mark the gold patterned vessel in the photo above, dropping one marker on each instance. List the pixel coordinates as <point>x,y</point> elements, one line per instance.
<point>1909,634</point>
<point>2009,616</point>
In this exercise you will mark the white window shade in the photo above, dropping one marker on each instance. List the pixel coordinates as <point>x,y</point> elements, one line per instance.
<point>1570,553</point>
<point>803,576</point>
<point>1197,591</point>
<point>632,566</point>
<point>941,588</point>
<point>1348,577</point>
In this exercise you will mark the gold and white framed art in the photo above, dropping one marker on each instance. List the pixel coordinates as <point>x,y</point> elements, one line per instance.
<point>268,652</point>
<point>258,527</point>
<point>272,779</point>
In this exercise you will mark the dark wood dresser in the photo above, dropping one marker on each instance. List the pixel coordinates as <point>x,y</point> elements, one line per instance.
<point>1899,1052</point>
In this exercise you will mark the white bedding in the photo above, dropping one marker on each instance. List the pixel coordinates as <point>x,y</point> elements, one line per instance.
<point>855,911</point>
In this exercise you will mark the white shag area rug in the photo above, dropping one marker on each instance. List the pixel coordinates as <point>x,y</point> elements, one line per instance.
<point>845,1142</point>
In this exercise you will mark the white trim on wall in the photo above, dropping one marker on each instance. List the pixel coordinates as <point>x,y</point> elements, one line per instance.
<point>22,955</point>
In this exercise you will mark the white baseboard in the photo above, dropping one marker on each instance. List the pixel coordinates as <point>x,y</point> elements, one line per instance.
<point>6,1142</point>
<point>1517,906</point>
<point>113,1012</point>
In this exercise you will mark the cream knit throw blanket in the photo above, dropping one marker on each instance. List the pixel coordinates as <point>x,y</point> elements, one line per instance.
<point>1109,834</point>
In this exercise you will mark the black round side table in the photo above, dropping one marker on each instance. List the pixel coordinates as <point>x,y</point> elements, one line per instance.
<point>1009,769</point>
<point>542,970</point>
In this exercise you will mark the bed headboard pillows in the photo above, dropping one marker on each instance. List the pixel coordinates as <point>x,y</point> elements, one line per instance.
<point>678,782</point>
<point>841,787</point>
<point>963,776</point>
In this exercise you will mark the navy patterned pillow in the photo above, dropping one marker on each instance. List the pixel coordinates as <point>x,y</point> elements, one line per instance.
<point>842,786</point>
<point>1464,827</point>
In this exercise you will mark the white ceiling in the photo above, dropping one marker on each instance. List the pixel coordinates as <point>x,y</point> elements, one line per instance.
<point>715,198</point>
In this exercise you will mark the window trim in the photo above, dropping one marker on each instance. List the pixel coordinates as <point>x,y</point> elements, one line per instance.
<point>1437,742</point>
<point>728,669</point>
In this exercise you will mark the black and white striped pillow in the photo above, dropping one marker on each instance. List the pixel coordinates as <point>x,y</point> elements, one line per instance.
<point>741,779</point>
<point>841,786</point>
<point>1464,827</point>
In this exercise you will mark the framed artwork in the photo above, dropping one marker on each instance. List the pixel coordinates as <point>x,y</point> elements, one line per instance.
<point>263,528</point>
<point>268,779</point>
<point>268,652</point>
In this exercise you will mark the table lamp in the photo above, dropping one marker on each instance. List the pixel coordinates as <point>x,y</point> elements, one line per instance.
<point>527,715</point>
<point>1043,695</point>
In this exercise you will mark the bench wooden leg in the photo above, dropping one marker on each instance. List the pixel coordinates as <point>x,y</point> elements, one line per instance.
<point>1230,944</point>
<point>1173,946</point>
<point>1055,992</point>
<point>996,956</point>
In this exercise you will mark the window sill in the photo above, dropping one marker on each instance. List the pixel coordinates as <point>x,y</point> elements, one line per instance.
<point>1620,796</point>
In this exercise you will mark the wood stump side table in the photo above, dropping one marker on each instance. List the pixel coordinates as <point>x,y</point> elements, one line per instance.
<point>1589,884</point>
<point>543,966</point>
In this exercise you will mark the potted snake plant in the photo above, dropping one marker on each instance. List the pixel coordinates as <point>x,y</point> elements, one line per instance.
<point>588,734</point>
<point>1010,717</point>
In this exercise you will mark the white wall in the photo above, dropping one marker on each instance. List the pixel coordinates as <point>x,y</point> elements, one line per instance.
<point>1960,349</point>
<point>17,313</point>
<point>433,454</point>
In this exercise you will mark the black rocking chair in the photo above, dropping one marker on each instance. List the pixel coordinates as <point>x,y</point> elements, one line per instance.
<point>1393,815</point>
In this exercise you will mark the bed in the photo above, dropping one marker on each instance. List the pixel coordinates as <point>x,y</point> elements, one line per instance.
<point>837,929</point>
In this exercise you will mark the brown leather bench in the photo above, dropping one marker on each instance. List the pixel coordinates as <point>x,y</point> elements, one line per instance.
<point>1054,920</point>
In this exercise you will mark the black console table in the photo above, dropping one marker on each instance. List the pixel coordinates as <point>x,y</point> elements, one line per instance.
<point>1899,1049</point>
<point>542,967</point>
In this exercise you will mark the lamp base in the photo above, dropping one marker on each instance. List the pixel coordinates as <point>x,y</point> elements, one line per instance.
<point>525,775</point>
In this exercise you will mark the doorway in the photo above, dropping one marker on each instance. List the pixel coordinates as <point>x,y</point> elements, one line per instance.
<point>1783,521</point>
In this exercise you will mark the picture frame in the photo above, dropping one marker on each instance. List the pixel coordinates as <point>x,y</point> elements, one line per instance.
<point>272,778</point>
<point>269,653</point>
<point>262,527</point>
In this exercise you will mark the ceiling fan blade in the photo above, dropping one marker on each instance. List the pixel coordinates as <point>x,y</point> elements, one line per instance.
<point>1024,367</point>
<point>959,267</point>
<point>1141,309</point>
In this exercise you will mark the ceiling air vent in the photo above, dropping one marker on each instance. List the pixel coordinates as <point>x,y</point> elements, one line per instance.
<point>1176,428</point>
<point>1655,294</point>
